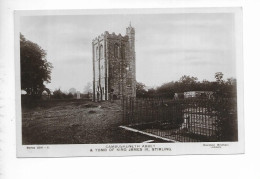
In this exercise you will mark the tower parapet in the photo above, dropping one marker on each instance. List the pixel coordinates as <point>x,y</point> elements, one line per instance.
<point>130,32</point>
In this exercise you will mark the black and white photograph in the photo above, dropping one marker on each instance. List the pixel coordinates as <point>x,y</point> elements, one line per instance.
<point>129,82</point>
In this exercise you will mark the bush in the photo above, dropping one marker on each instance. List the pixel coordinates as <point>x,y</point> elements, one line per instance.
<point>58,94</point>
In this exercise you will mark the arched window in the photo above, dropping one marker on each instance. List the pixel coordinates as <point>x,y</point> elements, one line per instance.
<point>123,52</point>
<point>129,82</point>
<point>117,51</point>
<point>101,51</point>
<point>97,53</point>
<point>102,69</point>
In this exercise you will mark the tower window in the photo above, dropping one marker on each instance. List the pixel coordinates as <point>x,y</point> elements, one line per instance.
<point>123,52</point>
<point>101,51</point>
<point>129,82</point>
<point>102,69</point>
<point>97,53</point>
<point>117,51</point>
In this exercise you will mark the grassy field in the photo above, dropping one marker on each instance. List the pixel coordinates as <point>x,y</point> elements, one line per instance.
<point>75,122</point>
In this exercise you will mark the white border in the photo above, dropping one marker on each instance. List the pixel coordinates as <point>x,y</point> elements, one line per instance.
<point>176,148</point>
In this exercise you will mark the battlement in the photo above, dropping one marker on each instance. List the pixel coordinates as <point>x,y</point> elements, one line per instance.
<point>119,36</point>
<point>112,35</point>
<point>100,37</point>
<point>130,30</point>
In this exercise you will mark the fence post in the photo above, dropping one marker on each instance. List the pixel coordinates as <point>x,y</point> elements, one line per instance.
<point>123,106</point>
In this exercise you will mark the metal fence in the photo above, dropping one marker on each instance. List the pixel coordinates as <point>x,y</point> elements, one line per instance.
<point>185,120</point>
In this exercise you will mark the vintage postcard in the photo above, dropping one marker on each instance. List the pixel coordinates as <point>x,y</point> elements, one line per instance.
<point>129,82</point>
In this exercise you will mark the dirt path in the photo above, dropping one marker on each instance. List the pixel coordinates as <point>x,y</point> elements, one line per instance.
<point>76,122</point>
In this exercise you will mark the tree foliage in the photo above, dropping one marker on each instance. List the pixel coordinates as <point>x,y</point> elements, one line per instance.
<point>219,77</point>
<point>35,69</point>
<point>189,83</point>
<point>188,80</point>
<point>58,94</point>
<point>73,91</point>
<point>88,88</point>
<point>140,90</point>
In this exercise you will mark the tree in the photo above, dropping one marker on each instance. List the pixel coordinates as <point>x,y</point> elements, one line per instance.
<point>58,94</point>
<point>151,92</point>
<point>140,90</point>
<point>69,96</point>
<point>224,89</point>
<point>187,83</point>
<point>72,91</point>
<point>88,88</point>
<point>35,69</point>
<point>188,80</point>
<point>166,90</point>
<point>231,81</point>
<point>219,77</point>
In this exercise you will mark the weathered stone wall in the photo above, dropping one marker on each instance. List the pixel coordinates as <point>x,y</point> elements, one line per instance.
<point>99,69</point>
<point>115,70</point>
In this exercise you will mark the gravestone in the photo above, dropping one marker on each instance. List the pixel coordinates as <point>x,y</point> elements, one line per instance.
<point>78,95</point>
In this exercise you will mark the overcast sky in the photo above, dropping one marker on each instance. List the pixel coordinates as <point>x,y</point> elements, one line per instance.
<point>168,46</point>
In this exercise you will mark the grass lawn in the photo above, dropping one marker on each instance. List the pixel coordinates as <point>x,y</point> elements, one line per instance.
<point>76,122</point>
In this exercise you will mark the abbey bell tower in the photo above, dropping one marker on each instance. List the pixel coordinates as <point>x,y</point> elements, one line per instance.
<point>114,72</point>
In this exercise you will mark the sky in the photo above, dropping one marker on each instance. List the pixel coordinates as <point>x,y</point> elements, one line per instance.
<point>168,46</point>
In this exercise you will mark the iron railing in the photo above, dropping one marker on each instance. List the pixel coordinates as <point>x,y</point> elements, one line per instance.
<point>184,120</point>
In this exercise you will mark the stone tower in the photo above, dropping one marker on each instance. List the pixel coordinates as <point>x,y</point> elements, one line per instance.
<point>114,73</point>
